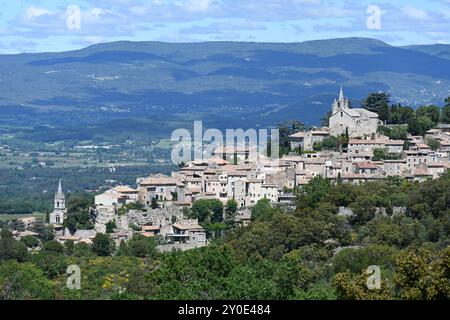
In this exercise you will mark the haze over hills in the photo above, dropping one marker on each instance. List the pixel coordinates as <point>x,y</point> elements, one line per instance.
<point>234,84</point>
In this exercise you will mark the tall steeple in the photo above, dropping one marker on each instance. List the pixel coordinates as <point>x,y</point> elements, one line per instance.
<point>60,193</point>
<point>57,216</point>
<point>60,202</point>
<point>341,103</point>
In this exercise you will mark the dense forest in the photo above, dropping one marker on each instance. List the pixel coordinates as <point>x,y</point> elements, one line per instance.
<point>311,252</point>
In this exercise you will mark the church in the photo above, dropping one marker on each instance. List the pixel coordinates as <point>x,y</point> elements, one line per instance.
<point>59,211</point>
<point>358,121</point>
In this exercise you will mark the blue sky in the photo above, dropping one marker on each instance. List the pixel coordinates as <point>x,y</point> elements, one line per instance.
<point>41,25</point>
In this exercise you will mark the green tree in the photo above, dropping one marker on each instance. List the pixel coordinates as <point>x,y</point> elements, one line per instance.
<point>78,213</point>
<point>432,112</point>
<point>356,260</point>
<point>69,247</point>
<point>103,245</point>
<point>139,246</point>
<point>53,264</point>
<point>45,233</point>
<point>331,143</point>
<point>285,130</point>
<point>419,125</point>
<point>421,274</point>
<point>379,154</point>
<point>325,121</point>
<point>433,144</point>
<point>262,210</point>
<point>82,250</point>
<point>30,241</point>
<point>17,225</point>
<point>23,281</point>
<point>445,112</point>
<point>395,133</point>
<point>53,246</point>
<point>379,103</point>
<point>310,195</point>
<point>399,114</point>
<point>208,210</point>
<point>154,204</point>
<point>231,208</point>
<point>318,146</point>
<point>11,249</point>
<point>399,231</point>
<point>111,226</point>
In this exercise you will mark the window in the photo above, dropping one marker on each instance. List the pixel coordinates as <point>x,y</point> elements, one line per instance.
<point>342,114</point>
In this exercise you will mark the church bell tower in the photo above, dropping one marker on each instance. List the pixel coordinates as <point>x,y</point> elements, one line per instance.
<point>342,103</point>
<point>59,211</point>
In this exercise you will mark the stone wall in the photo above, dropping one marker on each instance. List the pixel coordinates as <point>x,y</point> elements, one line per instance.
<point>157,217</point>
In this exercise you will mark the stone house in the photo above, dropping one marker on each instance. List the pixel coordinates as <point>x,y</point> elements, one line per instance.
<point>159,187</point>
<point>187,231</point>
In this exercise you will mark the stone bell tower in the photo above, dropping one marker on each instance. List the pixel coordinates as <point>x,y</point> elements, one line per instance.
<point>342,103</point>
<point>59,211</point>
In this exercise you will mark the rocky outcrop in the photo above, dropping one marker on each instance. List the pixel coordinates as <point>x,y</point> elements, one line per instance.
<point>104,215</point>
<point>157,217</point>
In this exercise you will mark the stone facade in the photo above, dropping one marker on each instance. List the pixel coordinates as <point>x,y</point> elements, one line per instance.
<point>358,122</point>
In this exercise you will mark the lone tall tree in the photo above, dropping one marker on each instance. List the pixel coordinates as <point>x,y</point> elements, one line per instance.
<point>379,103</point>
<point>445,117</point>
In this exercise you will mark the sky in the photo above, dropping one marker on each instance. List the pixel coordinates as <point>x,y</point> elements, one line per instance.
<point>61,25</point>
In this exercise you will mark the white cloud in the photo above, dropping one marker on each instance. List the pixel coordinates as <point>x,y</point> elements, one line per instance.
<point>34,12</point>
<point>223,27</point>
<point>139,10</point>
<point>98,11</point>
<point>95,15</point>
<point>415,13</point>
<point>197,5</point>
<point>103,20</point>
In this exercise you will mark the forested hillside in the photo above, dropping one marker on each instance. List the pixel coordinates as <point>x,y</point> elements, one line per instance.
<point>310,253</point>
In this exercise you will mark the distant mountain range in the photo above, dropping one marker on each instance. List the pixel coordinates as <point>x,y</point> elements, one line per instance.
<point>225,83</point>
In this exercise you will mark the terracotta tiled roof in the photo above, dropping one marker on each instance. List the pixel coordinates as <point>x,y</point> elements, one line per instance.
<point>124,189</point>
<point>158,180</point>
<point>394,142</point>
<point>150,228</point>
<point>193,226</point>
<point>366,165</point>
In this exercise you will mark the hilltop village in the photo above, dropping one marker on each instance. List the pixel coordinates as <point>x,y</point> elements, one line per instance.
<point>248,181</point>
<point>157,206</point>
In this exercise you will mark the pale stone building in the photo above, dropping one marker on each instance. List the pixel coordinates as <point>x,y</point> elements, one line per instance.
<point>394,167</point>
<point>187,231</point>
<point>158,187</point>
<point>110,199</point>
<point>306,140</point>
<point>358,122</point>
<point>362,149</point>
